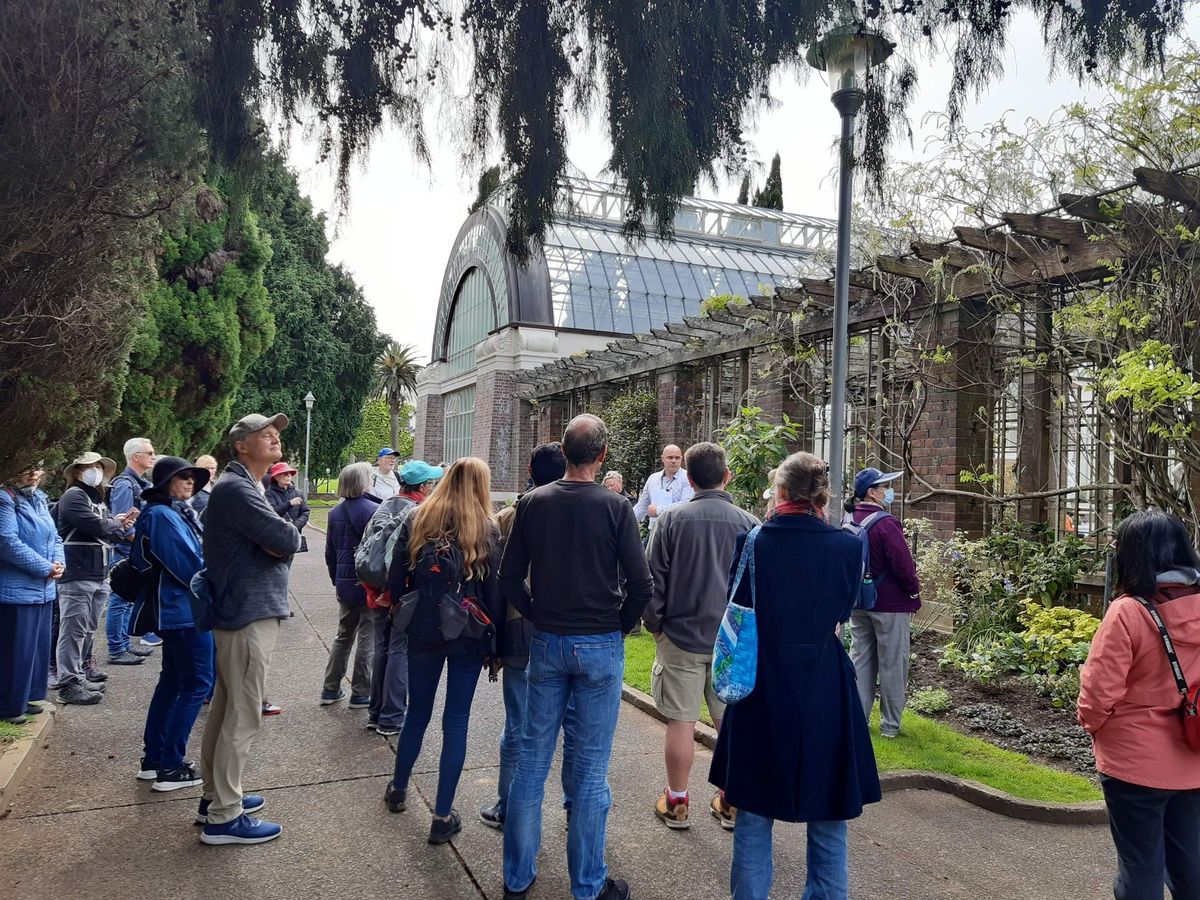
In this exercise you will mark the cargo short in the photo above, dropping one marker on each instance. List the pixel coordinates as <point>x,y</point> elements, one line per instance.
<point>679,680</point>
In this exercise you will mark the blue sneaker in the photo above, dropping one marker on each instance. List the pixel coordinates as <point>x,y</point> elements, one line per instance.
<point>328,697</point>
<point>357,701</point>
<point>251,803</point>
<point>242,830</point>
<point>150,639</point>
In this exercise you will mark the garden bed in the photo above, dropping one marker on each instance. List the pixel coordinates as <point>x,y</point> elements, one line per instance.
<point>1007,712</point>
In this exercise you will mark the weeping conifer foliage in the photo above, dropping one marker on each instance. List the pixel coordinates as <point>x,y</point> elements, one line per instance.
<point>674,78</point>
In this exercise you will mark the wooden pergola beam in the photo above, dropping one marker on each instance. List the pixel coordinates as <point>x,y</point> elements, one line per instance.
<point>697,323</point>
<point>1055,229</point>
<point>1171,185</point>
<point>661,334</point>
<point>1104,211</point>
<point>903,266</point>
<point>955,255</point>
<point>1008,245</point>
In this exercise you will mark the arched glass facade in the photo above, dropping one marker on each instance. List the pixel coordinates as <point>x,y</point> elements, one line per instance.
<point>473,317</point>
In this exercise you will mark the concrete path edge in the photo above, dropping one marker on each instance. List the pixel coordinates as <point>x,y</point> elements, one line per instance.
<point>980,795</point>
<point>16,758</point>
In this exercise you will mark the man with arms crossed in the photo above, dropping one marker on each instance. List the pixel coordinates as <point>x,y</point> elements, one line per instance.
<point>248,550</point>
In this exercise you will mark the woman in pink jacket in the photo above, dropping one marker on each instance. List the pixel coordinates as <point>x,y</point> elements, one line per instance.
<point>1130,704</point>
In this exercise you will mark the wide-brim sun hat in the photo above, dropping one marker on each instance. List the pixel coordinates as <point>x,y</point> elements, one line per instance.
<point>90,459</point>
<point>872,477</point>
<point>167,468</point>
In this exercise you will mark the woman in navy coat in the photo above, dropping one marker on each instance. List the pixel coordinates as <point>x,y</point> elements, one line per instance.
<point>797,749</point>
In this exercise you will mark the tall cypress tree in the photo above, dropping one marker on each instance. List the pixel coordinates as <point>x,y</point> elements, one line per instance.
<point>744,190</point>
<point>771,195</point>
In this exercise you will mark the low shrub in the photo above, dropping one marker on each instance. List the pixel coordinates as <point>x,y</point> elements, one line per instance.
<point>931,701</point>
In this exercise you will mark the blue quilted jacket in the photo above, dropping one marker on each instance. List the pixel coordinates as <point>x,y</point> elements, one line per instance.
<point>29,544</point>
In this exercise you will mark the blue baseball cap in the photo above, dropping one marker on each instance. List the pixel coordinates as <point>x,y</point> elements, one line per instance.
<point>869,478</point>
<point>387,451</point>
<point>417,471</point>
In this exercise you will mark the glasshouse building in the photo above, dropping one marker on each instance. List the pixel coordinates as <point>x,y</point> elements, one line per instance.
<point>586,287</point>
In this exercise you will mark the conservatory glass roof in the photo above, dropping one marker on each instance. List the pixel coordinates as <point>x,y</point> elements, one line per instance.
<point>601,281</point>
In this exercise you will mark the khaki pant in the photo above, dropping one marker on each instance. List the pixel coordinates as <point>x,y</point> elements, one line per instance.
<point>234,714</point>
<point>679,680</point>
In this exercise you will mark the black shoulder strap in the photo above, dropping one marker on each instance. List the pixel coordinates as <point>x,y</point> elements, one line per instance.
<point>1168,644</point>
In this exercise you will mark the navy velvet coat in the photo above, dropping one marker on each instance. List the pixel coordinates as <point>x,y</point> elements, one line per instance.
<point>347,522</point>
<point>797,749</point>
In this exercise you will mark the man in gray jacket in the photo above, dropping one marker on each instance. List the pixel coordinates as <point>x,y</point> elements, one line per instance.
<point>248,550</point>
<point>690,555</point>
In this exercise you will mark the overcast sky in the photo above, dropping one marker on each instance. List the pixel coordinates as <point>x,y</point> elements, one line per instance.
<point>404,216</point>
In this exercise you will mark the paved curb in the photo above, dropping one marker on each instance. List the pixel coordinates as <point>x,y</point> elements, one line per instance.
<point>15,760</point>
<point>984,797</point>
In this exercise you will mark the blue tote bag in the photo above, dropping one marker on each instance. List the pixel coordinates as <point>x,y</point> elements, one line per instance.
<point>735,654</point>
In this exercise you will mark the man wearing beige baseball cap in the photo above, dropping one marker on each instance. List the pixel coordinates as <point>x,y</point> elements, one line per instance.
<point>248,550</point>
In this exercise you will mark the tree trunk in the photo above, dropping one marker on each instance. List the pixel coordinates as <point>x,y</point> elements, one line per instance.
<point>394,409</point>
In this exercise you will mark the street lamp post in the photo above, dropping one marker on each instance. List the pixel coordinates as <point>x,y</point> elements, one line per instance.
<point>309,400</point>
<point>844,54</point>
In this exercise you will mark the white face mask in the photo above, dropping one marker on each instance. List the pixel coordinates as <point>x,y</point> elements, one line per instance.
<point>92,477</point>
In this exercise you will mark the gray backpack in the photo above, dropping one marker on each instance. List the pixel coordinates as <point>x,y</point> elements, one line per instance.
<point>378,544</point>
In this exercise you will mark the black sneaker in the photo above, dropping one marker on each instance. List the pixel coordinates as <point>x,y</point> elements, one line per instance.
<point>128,658</point>
<point>492,816</point>
<point>173,779</point>
<point>441,830</point>
<point>141,651</point>
<point>615,889</point>
<point>397,801</point>
<point>148,770</point>
<point>76,694</point>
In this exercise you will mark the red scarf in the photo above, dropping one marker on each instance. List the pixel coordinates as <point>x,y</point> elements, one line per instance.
<point>797,508</point>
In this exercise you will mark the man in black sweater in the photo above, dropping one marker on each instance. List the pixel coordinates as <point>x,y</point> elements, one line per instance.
<point>574,539</point>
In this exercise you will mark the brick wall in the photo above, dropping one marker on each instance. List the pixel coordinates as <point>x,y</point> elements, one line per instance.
<point>427,441</point>
<point>496,431</point>
<point>680,406</point>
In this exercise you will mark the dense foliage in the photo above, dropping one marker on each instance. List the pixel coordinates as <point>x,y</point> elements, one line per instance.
<point>206,321</point>
<point>770,196</point>
<point>753,446</point>
<point>326,338</point>
<point>375,432</point>
<point>633,449</point>
<point>98,144</point>
<point>396,381</point>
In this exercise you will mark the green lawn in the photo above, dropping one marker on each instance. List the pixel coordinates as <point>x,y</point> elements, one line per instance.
<point>10,732</point>
<point>927,746</point>
<point>320,512</point>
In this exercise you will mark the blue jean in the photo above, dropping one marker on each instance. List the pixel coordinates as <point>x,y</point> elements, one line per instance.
<point>752,870</point>
<point>24,655</point>
<point>1156,833</point>
<point>588,670</point>
<point>424,673</point>
<point>516,692</point>
<point>389,674</point>
<point>116,624</point>
<point>185,682</point>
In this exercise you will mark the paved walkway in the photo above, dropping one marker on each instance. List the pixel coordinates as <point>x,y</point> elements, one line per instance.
<point>80,825</point>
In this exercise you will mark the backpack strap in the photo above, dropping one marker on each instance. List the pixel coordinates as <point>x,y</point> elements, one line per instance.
<point>1169,645</point>
<point>873,518</point>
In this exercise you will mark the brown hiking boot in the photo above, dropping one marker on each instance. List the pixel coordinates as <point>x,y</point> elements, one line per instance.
<point>723,812</point>
<point>673,814</point>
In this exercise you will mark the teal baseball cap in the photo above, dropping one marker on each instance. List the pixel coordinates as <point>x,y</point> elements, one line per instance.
<point>417,471</point>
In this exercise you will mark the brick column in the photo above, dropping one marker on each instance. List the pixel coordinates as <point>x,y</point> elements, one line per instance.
<point>950,436</point>
<point>430,427</point>
<point>551,419</point>
<point>776,398</point>
<point>496,431</point>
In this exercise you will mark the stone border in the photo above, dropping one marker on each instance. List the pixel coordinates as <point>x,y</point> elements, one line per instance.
<point>15,759</point>
<point>1093,813</point>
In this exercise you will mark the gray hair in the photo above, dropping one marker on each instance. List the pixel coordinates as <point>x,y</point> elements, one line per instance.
<point>354,481</point>
<point>804,477</point>
<point>584,440</point>
<point>134,445</point>
<point>610,475</point>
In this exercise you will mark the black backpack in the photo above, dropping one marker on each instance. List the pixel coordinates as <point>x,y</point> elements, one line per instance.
<point>438,610</point>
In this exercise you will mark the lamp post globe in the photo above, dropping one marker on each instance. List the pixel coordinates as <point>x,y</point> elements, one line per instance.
<point>845,54</point>
<point>309,400</point>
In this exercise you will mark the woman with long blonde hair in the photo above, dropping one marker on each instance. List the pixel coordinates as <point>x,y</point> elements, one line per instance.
<point>443,580</point>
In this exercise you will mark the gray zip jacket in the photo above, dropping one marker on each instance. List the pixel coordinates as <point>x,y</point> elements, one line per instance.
<point>690,554</point>
<point>248,550</point>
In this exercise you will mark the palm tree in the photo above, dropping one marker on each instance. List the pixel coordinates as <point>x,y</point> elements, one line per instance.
<point>396,380</point>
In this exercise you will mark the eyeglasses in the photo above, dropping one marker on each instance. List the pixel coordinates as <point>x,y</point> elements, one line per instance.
<point>186,476</point>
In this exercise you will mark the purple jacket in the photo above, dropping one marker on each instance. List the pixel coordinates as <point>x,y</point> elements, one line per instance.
<point>900,589</point>
<point>347,521</point>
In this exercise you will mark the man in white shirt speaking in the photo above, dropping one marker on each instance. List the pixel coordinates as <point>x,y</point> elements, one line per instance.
<point>664,488</point>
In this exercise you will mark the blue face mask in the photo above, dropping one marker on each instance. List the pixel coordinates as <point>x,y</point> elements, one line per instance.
<point>889,496</point>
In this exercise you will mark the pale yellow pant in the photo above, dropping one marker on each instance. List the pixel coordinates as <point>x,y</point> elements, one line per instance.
<point>234,714</point>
